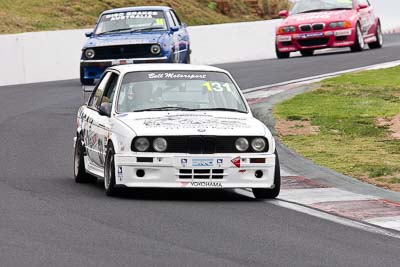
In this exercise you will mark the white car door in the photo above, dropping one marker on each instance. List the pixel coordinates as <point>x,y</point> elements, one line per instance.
<point>101,120</point>
<point>93,143</point>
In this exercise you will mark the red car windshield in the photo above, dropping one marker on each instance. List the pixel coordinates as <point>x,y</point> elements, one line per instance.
<point>305,6</point>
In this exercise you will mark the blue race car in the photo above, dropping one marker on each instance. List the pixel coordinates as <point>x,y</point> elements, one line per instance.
<point>150,34</point>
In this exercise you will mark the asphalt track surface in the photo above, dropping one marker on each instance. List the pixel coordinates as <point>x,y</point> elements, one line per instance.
<point>48,220</point>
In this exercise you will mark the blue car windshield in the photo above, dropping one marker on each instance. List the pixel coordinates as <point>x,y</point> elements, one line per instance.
<point>179,90</point>
<point>305,6</point>
<point>131,21</point>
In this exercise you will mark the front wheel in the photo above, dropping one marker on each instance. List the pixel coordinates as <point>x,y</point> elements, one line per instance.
<point>379,39</point>
<point>307,53</point>
<point>281,55</point>
<point>359,42</point>
<point>109,172</point>
<point>264,193</point>
<point>187,57</point>
<point>79,165</point>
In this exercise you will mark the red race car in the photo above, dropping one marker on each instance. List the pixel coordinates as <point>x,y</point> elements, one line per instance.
<point>318,24</point>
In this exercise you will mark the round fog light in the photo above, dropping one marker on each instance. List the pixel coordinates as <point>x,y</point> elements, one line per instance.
<point>259,174</point>
<point>140,173</point>
<point>160,144</point>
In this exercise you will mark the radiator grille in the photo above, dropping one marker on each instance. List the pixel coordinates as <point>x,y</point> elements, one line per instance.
<point>214,174</point>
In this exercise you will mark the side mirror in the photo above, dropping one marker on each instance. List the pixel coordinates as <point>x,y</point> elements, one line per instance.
<point>88,34</point>
<point>105,109</point>
<point>362,6</point>
<point>284,14</point>
<point>184,25</point>
<point>174,29</point>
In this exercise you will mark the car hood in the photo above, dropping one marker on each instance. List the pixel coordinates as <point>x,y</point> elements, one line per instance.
<point>125,39</point>
<point>315,17</point>
<point>192,123</point>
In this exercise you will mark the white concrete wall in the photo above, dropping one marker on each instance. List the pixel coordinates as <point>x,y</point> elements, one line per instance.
<point>55,55</point>
<point>49,56</point>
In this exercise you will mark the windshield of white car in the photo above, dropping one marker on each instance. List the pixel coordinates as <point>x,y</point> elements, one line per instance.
<point>307,6</point>
<point>179,91</point>
<point>131,21</point>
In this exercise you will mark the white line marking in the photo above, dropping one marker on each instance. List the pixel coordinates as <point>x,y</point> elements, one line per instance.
<point>262,94</point>
<point>287,173</point>
<point>325,216</point>
<point>386,222</point>
<point>317,195</point>
<point>318,78</point>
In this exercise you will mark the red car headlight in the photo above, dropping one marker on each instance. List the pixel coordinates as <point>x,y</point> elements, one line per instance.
<point>340,24</point>
<point>286,29</point>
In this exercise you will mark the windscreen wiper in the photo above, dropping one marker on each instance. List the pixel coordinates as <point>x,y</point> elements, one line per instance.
<point>340,8</point>
<point>314,10</point>
<point>147,29</point>
<point>222,109</point>
<point>164,109</point>
<point>116,30</point>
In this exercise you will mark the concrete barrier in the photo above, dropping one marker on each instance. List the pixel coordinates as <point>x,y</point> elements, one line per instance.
<point>55,55</point>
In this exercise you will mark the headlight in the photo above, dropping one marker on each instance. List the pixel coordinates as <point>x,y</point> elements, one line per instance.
<point>142,144</point>
<point>258,144</point>
<point>340,24</point>
<point>155,49</point>
<point>242,144</point>
<point>160,144</point>
<point>287,29</point>
<point>89,53</point>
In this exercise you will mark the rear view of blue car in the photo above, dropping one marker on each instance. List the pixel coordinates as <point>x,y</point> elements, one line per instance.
<point>134,35</point>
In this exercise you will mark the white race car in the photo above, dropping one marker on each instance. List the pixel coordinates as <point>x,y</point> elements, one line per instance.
<point>173,126</point>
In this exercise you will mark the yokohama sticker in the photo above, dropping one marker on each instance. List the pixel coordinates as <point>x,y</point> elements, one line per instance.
<point>207,184</point>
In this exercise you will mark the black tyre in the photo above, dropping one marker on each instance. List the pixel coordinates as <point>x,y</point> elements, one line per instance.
<point>264,193</point>
<point>281,55</point>
<point>109,172</point>
<point>79,165</point>
<point>85,81</point>
<point>379,39</point>
<point>307,53</point>
<point>359,42</point>
<point>187,58</point>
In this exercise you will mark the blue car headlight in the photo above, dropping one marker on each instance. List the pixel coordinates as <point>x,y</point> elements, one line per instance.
<point>155,49</point>
<point>89,53</point>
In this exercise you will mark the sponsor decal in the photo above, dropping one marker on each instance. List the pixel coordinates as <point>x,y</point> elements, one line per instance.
<point>206,184</point>
<point>202,162</point>
<point>130,15</point>
<point>120,173</point>
<point>177,122</point>
<point>177,76</point>
<point>184,162</point>
<point>308,35</point>
<point>236,162</point>
<point>220,162</point>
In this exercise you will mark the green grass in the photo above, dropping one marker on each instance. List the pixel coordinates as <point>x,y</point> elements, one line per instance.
<point>40,15</point>
<point>345,109</point>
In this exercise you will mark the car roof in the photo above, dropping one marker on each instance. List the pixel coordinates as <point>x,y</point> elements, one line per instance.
<point>136,8</point>
<point>165,67</point>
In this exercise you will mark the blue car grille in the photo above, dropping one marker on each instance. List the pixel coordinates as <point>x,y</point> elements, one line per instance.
<point>123,51</point>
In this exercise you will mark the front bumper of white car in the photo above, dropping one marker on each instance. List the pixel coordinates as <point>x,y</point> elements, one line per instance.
<point>195,171</point>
